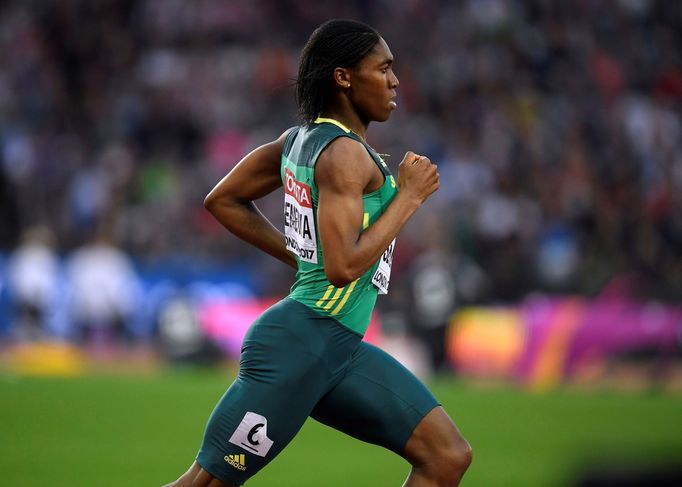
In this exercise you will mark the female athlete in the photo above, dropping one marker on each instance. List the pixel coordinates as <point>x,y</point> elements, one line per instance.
<point>342,212</point>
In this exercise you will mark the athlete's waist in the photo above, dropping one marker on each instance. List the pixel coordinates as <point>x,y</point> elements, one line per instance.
<point>354,314</point>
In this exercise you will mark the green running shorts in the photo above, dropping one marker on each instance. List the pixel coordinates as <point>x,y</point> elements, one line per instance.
<point>294,364</point>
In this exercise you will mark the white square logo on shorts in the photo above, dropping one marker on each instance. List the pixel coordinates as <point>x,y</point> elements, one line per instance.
<point>252,434</point>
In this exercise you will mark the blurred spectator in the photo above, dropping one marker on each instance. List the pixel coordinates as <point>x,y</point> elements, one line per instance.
<point>556,126</point>
<point>440,281</point>
<point>32,275</point>
<point>104,288</point>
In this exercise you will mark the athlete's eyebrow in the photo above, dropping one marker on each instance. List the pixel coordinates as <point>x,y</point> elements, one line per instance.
<point>387,62</point>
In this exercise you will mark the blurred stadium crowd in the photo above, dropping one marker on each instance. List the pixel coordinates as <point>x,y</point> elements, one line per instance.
<point>555,124</point>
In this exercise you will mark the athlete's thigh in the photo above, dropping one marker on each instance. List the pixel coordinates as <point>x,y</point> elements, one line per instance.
<point>378,400</point>
<point>262,411</point>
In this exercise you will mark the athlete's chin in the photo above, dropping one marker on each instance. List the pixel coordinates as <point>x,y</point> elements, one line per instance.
<point>384,116</point>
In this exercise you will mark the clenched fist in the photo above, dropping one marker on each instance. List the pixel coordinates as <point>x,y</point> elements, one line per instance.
<point>418,176</point>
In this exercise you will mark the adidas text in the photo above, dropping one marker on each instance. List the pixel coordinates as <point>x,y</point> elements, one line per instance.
<point>237,461</point>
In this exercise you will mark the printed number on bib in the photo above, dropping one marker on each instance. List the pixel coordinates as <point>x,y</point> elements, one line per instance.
<point>299,223</point>
<point>252,434</point>
<point>383,272</point>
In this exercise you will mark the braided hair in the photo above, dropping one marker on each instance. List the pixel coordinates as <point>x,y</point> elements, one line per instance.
<point>336,43</point>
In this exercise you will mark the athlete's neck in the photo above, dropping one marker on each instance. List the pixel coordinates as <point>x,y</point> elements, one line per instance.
<point>352,122</point>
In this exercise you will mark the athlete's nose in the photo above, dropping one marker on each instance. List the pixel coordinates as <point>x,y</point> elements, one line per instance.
<point>393,80</point>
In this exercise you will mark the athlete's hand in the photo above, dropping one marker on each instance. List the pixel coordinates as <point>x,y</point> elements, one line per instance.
<point>418,177</point>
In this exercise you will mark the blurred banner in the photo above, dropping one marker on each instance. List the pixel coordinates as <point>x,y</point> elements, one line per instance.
<point>545,341</point>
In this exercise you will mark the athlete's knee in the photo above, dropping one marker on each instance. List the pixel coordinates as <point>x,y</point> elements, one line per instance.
<point>457,457</point>
<point>438,451</point>
<point>447,464</point>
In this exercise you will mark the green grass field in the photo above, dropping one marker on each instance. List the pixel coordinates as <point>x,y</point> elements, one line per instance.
<point>143,431</point>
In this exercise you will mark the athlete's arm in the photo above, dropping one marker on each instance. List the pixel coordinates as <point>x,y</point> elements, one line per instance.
<point>231,202</point>
<point>342,173</point>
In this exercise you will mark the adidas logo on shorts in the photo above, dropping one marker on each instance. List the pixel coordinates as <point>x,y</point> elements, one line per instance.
<point>237,461</point>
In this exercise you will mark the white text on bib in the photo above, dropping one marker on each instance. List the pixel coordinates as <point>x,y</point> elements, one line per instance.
<point>299,223</point>
<point>383,272</point>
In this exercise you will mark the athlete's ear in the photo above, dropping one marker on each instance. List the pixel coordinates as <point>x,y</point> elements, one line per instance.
<point>342,77</point>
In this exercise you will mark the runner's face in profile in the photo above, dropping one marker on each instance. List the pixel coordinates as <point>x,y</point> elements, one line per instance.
<point>374,84</point>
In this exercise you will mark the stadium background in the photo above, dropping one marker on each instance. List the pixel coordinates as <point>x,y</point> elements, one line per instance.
<point>542,284</point>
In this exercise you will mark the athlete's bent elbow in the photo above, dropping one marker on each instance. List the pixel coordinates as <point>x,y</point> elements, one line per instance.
<point>214,200</point>
<point>210,201</point>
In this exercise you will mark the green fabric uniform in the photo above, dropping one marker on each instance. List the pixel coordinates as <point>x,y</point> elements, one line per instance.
<point>351,305</point>
<point>304,356</point>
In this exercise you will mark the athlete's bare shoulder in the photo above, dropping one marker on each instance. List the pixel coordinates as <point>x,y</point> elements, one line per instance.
<point>344,161</point>
<point>286,133</point>
<point>281,140</point>
<point>267,156</point>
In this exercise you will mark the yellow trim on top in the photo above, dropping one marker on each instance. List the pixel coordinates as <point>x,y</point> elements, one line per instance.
<point>345,297</point>
<point>332,121</point>
<point>365,221</point>
<point>333,300</point>
<point>321,301</point>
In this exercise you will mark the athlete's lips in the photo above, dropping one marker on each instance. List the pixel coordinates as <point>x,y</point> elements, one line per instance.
<point>392,101</point>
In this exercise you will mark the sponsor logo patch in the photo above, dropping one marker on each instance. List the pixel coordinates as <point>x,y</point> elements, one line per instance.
<point>237,461</point>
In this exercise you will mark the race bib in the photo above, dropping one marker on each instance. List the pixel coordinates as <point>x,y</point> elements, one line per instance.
<point>383,272</point>
<point>299,223</point>
<point>252,434</point>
